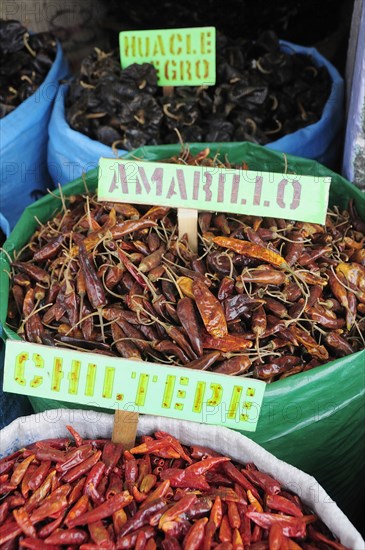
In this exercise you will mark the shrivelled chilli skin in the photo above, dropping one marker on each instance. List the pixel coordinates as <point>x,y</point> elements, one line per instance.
<point>210,310</point>
<point>94,287</point>
<point>188,318</point>
<point>196,498</point>
<point>251,249</point>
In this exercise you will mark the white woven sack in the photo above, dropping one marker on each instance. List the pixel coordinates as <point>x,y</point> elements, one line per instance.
<point>93,424</point>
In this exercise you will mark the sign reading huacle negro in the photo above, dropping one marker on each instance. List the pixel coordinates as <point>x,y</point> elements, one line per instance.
<point>181,57</point>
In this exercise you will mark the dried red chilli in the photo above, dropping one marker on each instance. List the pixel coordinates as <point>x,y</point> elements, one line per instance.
<point>68,514</point>
<point>265,297</point>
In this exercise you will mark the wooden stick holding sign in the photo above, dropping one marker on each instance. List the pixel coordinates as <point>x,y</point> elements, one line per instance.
<point>187,220</point>
<point>168,91</point>
<point>125,428</point>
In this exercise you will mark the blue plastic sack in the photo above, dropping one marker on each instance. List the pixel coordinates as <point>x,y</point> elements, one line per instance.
<point>319,141</point>
<point>4,225</point>
<point>71,153</point>
<point>23,146</point>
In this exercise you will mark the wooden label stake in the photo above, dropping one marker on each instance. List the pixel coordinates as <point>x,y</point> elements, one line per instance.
<point>168,91</point>
<point>187,220</point>
<point>125,428</point>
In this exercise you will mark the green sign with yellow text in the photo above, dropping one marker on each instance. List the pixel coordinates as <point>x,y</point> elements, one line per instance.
<point>236,191</point>
<point>181,57</point>
<point>111,382</point>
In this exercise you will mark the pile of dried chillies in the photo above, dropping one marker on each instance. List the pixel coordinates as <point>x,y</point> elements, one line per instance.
<point>263,297</point>
<point>90,494</point>
<point>262,94</point>
<point>25,60</point>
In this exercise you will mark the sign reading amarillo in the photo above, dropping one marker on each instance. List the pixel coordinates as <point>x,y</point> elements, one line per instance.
<point>295,197</point>
<point>116,383</point>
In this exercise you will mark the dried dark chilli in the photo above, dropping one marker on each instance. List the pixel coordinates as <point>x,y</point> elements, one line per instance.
<point>239,308</point>
<point>261,94</point>
<point>25,60</point>
<point>90,494</point>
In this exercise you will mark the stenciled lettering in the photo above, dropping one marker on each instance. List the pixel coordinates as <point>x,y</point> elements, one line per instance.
<point>20,367</point>
<point>157,178</point>
<point>221,184</point>
<point>122,178</point>
<point>146,183</point>
<point>280,193</point>
<point>90,380</point>
<point>196,183</point>
<point>257,191</point>
<point>297,191</point>
<point>57,374</point>
<point>207,186</point>
<point>201,69</point>
<point>74,377</point>
<point>108,382</point>
<point>129,46</point>
<point>19,371</point>
<point>235,188</point>
<point>169,390</point>
<point>158,47</point>
<point>234,403</point>
<point>175,39</point>
<point>142,389</point>
<point>164,44</point>
<point>203,42</point>
<point>180,56</point>
<point>143,46</point>
<point>199,397</point>
<point>184,69</point>
<point>181,186</point>
<point>217,394</point>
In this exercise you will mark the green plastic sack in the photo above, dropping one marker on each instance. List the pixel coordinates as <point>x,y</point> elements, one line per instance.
<point>313,420</point>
